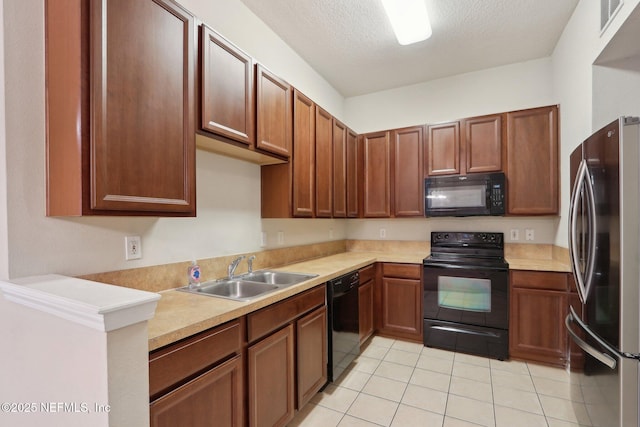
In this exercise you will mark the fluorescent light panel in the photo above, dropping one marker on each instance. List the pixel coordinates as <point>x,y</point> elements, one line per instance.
<point>409,20</point>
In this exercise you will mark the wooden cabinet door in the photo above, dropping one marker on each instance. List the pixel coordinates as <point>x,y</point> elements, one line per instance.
<point>402,307</point>
<point>365,306</point>
<point>536,326</point>
<point>304,136</point>
<point>353,175</point>
<point>312,356</point>
<point>532,161</point>
<point>408,173</point>
<point>483,146</point>
<point>324,164</point>
<point>339,169</point>
<point>273,113</point>
<point>227,105</point>
<point>271,379</point>
<point>443,149</point>
<point>213,398</point>
<point>377,175</point>
<point>143,111</point>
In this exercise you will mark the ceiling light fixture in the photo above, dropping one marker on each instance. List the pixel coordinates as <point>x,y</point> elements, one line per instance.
<point>409,20</point>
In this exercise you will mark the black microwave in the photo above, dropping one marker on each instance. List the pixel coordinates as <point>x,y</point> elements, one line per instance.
<point>465,195</point>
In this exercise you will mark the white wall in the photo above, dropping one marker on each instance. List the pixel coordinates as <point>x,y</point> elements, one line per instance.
<point>506,88</point>
<point>589,96</point>
<point>4,231</point>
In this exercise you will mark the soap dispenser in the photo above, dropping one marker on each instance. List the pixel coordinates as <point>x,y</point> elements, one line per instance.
<point>194,274</point>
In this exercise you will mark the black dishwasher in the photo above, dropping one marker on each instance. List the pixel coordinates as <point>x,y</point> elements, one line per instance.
<point>344,330</point>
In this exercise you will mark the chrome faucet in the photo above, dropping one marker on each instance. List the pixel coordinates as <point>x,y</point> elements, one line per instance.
<point>234,264</point>
<point>250,263</point>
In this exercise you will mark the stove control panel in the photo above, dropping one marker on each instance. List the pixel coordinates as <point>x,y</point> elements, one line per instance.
<point>470,239</point>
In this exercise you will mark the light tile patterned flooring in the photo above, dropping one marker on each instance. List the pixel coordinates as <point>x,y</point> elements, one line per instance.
<point>401,384</point>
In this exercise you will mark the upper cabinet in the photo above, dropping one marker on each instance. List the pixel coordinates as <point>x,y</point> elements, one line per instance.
<point>273,99</point>
<point>466,146</point>
<point>339,169</point>
<point>443,149</point>
<point>226,96</point>
<point>304,186</point>
<point>532,161</point>
<point>120,108</point>
<point>376,171</point>
<point>408,196</point>
<point>354,168</point>
<point>324,163</point>
<point>304,125</point>
<point>245,110</point>
<point>393,173</point>
<point>482,144</point>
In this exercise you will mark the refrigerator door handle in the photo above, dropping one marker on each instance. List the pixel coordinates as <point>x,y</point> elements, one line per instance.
<point>582,181</point>
<point>602,357</point>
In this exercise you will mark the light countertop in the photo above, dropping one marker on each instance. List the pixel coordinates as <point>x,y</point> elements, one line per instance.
<point>181,314</point>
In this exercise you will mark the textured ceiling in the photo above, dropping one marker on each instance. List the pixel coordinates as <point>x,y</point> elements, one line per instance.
<point>351,44</point>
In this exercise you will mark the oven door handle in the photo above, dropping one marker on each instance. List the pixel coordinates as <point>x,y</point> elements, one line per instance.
<point>465,331</point>
<point>466,266</point>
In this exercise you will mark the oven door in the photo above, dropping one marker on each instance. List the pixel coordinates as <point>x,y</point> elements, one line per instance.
<point>466,309</point>
<point>468,295</point>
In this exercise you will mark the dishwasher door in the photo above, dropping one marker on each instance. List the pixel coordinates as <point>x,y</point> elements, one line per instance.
<point>344,327</point>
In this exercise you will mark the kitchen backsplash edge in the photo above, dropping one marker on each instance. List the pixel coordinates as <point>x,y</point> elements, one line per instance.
<point>170,276</point>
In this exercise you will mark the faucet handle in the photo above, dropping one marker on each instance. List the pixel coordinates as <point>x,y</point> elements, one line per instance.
<point>250,262</point>
<point>234,264</point>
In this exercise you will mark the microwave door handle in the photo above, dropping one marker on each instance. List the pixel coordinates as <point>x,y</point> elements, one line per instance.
<point>574,253</point>
<point>598,355</point>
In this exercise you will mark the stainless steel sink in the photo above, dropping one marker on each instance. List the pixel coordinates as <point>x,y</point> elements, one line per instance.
<point>238,290</point>
<point>249,286</point>
<point>280,278</point>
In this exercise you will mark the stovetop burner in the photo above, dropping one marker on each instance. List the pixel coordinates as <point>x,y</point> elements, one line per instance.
<point>467,249</point>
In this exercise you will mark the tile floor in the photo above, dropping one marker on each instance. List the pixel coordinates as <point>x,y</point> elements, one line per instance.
<point>396,383</point>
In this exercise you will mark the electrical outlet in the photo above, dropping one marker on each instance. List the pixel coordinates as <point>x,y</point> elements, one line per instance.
<point>331,233</point>
<point>263,239</point>
<point>515,234</point>
<point>383,233</point>
<point>529,234</point>
<point>133,247</point>
<point>281,237</point>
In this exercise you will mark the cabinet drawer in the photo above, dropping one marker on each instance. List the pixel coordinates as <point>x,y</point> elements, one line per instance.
<point>539,280</point>
<point>178,362</point>
<point>403,271</point>
<point>270,318</point>
<point>367,273</point>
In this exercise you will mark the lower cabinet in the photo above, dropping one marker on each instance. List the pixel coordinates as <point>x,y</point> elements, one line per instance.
<point>271,379</point>
<point>213,398</point>
<point>365,302</point>
<point>287,352</point>
<point>312,356</point>
<point>401,301</point>
<point>539,305</point>
<point>198,381</point>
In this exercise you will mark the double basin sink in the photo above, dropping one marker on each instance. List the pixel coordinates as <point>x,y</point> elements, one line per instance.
<point>250,285</point>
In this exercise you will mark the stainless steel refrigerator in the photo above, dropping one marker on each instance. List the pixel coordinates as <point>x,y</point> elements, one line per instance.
<point>604,242</point>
